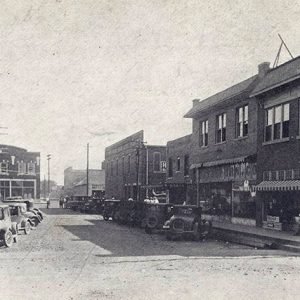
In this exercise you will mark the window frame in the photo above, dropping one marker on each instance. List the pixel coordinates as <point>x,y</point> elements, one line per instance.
<point>203,133</point>
<point>170,167</point>
<point>178,164</point>
<point>154,162</point>
<point>186,166</point>
<point>222,130</point>
<point>241,124</point>
<point>272,128</point>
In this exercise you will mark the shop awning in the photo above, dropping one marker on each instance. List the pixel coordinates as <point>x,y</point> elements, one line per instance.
<point>228,161</point>
<point>289,185</point>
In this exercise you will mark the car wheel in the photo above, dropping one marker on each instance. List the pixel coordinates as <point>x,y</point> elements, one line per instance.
<point>106,218</point>
<point>27,228</point>
<point>148,230</point>
<point>35,221</point>
<point>8,239</point>
<point>152,221</point>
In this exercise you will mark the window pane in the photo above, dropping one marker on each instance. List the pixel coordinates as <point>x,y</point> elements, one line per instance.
<point>224,120</point>
<point>277,114</point>
<point>241,129</point>
<point>203,128</point>
<point>220,122</point>
<point>277,131</point>
<point>206,126</point>
<point>268,133</point>
<point>270,116</point>
<point>246,113</point>
<point>286,112</point>
<point>285,129</point>
<point>241,114</point>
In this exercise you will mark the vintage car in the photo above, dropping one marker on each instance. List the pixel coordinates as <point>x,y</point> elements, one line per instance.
<point>19,215</point>
<point>111,209</point>
<point>156,215</point>
<point>186,222</point>
<point>8,229</point>
<point>38,215</point>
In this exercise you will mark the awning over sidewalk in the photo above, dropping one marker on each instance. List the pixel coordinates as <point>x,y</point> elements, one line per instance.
<point>289,185</point>
<point>228,161</point>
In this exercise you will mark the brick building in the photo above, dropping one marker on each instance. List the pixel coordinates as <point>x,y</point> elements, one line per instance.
<point>19,172</point>
<point>223,150</point>
<point>178,182</point>
<point>134,169</point>
<point>278,191</point>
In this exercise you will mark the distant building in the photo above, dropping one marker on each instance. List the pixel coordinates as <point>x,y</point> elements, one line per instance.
<point>134,169</point>
<point>178,182</point>
<point>96,185</point>
<point>75,182</point>
<point>19,172</point>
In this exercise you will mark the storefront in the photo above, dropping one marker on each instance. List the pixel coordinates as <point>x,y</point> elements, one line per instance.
<point>226,190</point>
<point>280,204</point>
<point>25,188</point>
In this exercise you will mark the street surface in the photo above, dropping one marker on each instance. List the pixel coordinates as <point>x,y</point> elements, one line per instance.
<point>77,256</point>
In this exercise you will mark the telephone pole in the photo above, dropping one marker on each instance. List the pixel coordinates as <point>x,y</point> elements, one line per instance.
<point>48,158</point>
<point>87,169</point>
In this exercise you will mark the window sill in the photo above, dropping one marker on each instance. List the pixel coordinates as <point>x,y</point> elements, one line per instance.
<point>221,143</point>
<point>241,138</point>
<point>276,141</point>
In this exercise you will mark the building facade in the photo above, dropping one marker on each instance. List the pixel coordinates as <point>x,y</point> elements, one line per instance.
<point>134,169</point>
<point>278,156</point>
<point>178,182</point>
<point>224,151</point>
<point>19,172</point>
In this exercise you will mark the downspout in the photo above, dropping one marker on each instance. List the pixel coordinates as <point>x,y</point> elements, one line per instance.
<point>147,171</point>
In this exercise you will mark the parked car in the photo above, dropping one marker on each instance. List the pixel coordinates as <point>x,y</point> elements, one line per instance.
<point>37,216</point>
<point>111,209</point>
<point>186,222</point>
<point>8,229</point>
<point>156,215</point>
<point>93,205</point>
<point>18,212</point>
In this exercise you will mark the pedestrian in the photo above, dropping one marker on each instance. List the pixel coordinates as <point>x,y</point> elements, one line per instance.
<point>60,203</point>
<point>48,203</point>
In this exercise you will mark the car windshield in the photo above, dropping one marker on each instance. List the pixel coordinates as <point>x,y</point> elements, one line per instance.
<point>1,214</point>
<point>185,211</point>
<point>14,210</point>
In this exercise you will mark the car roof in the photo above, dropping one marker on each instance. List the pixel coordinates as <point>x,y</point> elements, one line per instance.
<point>17,204</point>
<point>3,205</point>
<point>112,200</point>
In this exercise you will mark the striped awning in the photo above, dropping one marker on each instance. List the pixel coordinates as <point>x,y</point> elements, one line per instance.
<point>289,185</point>
<point>229,161</point>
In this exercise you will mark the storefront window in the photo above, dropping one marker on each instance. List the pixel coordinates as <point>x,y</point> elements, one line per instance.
<point>243,205</point>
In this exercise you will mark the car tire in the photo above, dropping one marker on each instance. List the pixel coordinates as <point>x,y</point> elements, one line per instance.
<point>152,221</point>
<point>196,233</point>
<point>106,218</point>
<point>148,230</point>
<point>27,228</point>
<point>35,221</point>
<point>8,238</point>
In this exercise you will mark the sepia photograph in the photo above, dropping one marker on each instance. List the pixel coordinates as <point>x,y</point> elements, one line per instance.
<point>150,149</point>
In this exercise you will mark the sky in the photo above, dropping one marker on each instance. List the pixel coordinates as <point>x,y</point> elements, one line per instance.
<point>86,71</point>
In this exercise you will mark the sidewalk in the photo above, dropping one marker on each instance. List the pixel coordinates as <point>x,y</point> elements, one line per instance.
<point>256,236</point>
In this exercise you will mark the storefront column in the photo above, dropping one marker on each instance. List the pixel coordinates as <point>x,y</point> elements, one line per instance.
<point>10,188</point>
<point>198,185</point>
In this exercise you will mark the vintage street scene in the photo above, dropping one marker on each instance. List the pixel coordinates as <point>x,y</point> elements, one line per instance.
<point>150,150</point>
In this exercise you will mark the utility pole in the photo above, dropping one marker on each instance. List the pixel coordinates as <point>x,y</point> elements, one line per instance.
<point>87,169</point>
<point>137,172</point>
<point>44,186</point>
<point>48,158</point>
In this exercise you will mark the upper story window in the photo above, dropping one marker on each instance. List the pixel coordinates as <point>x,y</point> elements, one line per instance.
<point>170,169</point>
<point>128,163</point>
<point>31,168</point>
<point>203,133</point>
<point>156,162</point>
<point>21,168</point>
<point>221,128</point>
<point>178,164</point>
<point>277,122</point>
<point>242,121</point>
<point>117,167</point>
<point>123,165</point>
<point>4,167</point>
<point>112,168</point>
<point>186,164</point>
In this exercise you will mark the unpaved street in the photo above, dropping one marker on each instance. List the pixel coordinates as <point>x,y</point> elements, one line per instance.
<point>76,256</point>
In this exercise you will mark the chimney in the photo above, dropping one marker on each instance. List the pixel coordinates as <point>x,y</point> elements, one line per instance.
<point>263,69</point>
<point>195,102</point>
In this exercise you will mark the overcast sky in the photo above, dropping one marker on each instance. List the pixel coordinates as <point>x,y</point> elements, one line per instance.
<point>73,70</point>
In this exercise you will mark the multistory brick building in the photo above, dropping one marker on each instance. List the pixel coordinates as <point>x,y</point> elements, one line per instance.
<point>223,150</point>
<point>278,156</point>
<point>134,169</point>
<point>19,172</point>
<point>178,182</point>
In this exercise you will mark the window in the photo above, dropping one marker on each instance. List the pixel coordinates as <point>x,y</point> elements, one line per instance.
<point>112,168</point>
<point>123,165</point>
<point>203,139</point>
<point>170,163</point>
<point>156,162</point>
<point>242,121</point>
<point>277,122</point>
<point>31,168</point>
<point>4,167</point>
<point>221,128</point>
<point>21,168</point>
<point>129,163</point>
<point>186,165</point>
<point>178,164</point>
<point>117,167</point>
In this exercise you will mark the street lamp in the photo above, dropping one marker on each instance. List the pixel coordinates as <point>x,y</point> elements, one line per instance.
<point>48,158</point>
